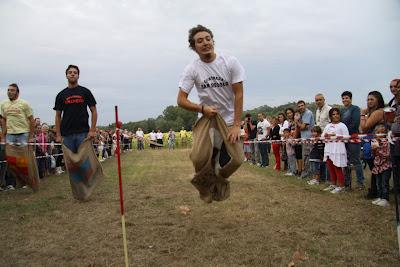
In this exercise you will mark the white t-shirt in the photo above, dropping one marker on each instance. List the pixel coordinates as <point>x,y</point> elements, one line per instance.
<point>152,136</point>
<point>213,82</point>
<point>262,131</point>
<point>283,126</point>
<point>159,135</point>
<point>139,134</point>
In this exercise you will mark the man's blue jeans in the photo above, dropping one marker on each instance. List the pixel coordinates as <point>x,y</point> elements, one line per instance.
<point>354,159</point>
<point>262,147</point>
<point>73,141</point>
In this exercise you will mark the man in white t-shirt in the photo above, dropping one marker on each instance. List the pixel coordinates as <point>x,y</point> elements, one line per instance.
<point>139,137</point>
<point>263,128</point>
<point>153,139</point>
<point>218,80</point>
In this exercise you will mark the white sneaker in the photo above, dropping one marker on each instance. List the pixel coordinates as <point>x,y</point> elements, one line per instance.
<point>330,188</point>
<point>24,187</point>
<point>376,200</point>
<point>338,190</point>
<point>258,164</point>
<point>313,182</point>
<point>10,187</point>
<point>289,174</point>
<point>383,203</point>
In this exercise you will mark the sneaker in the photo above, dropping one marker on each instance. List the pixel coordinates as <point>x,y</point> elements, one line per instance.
<point>289,174</point>
<point>313,182</point>
<point>24,187</point>
<point>258,164</point>
<point>330,187</point>
<point>10,188</point>
<point>360,187</point>
<point>376,200</point>
<point>383,203</point>
<point>337,190</point>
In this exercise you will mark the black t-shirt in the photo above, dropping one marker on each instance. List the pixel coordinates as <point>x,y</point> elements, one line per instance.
<point>317,152</point>
<point>73,103</point>
<point>252,132</point>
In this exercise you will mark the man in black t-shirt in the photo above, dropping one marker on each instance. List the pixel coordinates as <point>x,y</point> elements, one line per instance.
<point>72,116</point>
<point>251,126</point>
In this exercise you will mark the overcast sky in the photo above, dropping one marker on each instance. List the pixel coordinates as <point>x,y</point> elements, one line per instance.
<point>132,53</point>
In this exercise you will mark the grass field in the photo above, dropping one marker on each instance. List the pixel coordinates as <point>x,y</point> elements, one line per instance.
<point>269,220</point>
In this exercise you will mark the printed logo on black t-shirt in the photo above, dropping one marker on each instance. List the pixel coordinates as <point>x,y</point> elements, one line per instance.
<point>213,81</point>
<point>74,99</point>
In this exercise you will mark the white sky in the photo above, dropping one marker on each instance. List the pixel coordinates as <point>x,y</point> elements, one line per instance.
<point>131,53</point>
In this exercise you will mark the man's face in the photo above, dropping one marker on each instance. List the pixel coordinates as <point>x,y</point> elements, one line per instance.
<point>72,75</point>
<point>319,101</point>
<point>260,117</point>
<point>346,100</point>
<point>301,107</point>
<point>204,44</point>
<point>12,93</point>
<point>395,88</point>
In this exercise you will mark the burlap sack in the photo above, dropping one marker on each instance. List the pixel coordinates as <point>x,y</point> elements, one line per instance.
<point>84,169</point>
<point>214,160</point>
<point>22,165</point>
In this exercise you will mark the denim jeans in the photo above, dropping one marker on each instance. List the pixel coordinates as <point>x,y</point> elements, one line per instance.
<point>323,172</point>
<point>262,147</point>
<point>73,141</point>
<point>354,159</point>
<point>373,189</point>
<point>306,148</point>
<point>292,163</point>
<point>382,184</point>
<point>17,139</point>
<point>315,168</point>
<point>395,167</point>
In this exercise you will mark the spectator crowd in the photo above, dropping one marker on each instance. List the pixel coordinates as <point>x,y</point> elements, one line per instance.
<point>324,148</point>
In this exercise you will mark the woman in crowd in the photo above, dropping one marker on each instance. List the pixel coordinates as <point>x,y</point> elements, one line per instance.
<point>370,117</point>
<point>335,153</point>
<point>295,134</point>
<point>283,124</point>
<point>275,136</point>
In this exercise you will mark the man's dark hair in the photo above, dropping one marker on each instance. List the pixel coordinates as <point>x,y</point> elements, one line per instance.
<point>71,67</point>
<point>16,86</point>
<point>286,130</point>
<point>193,31</point>
<point>379,97</point>
<point>301,102</point>
<point>248,115</point>
<point>347,93</point>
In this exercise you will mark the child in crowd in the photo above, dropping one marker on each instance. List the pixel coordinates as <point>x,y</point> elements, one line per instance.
<point>316,155</point>
<point>246,146</point>
<point>298,148</point>
<point>291,156</point>
<point>335,153</point>
<point>382,166</point>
